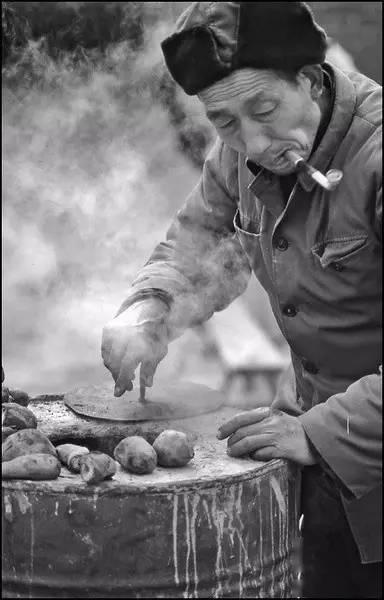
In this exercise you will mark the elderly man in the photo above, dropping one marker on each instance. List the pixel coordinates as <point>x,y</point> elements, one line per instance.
<point>259,69</point>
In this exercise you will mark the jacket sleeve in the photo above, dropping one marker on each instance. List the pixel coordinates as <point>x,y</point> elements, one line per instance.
<point>346,431</point>
<point>200,267</point>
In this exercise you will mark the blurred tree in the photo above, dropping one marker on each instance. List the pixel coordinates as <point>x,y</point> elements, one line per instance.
<point>15,31</point>
<point>66,26</point>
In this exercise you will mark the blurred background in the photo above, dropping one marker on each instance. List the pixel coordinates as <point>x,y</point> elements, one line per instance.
<point>99,151</point>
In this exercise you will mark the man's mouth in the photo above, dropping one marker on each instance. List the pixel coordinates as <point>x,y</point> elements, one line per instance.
<point>282,153</point>
<point>276,160</point>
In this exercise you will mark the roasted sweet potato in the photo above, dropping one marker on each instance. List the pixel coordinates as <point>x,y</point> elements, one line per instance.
<point>18,417</point>
<point>173,448</point>
<point>20,397</point>
<point>4,394</point>
<point>33,466</point>
<point>69,455</point>
<point>135,454</point>
<point>96,466</point>
<point>25,442</point>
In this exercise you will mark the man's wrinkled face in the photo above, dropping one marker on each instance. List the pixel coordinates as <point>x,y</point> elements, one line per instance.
<point>261,115</point>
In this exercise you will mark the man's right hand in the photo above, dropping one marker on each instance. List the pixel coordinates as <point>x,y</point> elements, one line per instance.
<point>136,336</point>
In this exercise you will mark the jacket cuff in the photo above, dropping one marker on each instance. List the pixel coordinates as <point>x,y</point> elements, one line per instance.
<point>323,449</point>
<point>146,293</point>
<point>327,469</point>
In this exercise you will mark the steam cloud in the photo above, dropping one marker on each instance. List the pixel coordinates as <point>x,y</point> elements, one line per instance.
<point>88,190</point>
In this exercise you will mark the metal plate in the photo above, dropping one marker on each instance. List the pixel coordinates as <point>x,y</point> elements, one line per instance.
<point>181,400</point>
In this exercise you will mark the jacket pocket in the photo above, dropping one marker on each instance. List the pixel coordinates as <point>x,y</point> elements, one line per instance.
<point>339,250</point>
<point>253,242</point>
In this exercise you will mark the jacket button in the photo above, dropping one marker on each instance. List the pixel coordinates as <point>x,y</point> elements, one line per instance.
<point>310,367</point>
<point>289,310</point>
<point>282,244</point>
<point>337,266</point>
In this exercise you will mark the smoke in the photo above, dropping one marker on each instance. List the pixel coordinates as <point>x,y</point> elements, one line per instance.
<point>89,186</point>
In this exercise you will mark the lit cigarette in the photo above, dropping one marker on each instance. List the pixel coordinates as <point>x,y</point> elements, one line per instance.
<point>329,181</point>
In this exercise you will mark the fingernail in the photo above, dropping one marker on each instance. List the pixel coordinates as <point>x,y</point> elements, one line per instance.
<point>117,391</point>
<point>219,435</point>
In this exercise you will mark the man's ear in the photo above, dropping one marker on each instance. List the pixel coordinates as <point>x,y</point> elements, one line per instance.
<point>314,74</point>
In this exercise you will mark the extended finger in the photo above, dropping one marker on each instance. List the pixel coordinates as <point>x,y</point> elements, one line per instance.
<point>147,372</point>
<point>267,453</point>
<point>249,444</point>
<point>128,367</point>
<point>148,367</point>
<point>241,419</point>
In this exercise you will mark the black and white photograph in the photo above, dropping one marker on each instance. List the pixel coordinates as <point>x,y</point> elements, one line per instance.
<point>192,300</point>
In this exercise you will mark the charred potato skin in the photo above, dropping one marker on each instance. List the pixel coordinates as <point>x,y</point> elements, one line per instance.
<point>5,395</point>
<point>18,417</point>
<point>20,397</point>
<point>136,455</point>
<point>173,448</point>
<point>33,466</point>
<point>26,441</point>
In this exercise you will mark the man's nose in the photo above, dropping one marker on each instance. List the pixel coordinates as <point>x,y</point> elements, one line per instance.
<point>256,141</point>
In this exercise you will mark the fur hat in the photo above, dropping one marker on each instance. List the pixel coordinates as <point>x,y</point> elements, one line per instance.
<point>212,39</point>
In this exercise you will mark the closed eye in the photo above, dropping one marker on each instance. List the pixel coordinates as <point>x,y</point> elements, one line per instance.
<point>264,114</point>
<point>225,124</point>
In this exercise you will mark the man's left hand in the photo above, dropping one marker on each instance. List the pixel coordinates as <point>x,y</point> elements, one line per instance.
<point>266,434</point>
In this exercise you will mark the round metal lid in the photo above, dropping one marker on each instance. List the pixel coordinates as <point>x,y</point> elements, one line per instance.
<point>181,400</point>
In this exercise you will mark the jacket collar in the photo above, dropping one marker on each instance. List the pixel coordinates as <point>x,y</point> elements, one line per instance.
<point>340,121</point>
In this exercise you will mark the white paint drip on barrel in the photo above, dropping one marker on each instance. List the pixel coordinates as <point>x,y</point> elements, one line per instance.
<point>272,541</point>
<point>232,533</point>
<point>279,495</point>
<point>206,508</point>
<point>282,514</point>
<point>187,537</point>
<point>195,503</point>
<point>174,535</point>
<point>23,502</point>
<point>31,551</point>
<point>224,516</point>
<point>217,519</point>
<point>8,508</point>
<point>260,532</point>
<point>244,562</point>
<point>279,551</point>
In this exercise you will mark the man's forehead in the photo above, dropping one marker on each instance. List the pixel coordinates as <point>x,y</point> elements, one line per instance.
<point>241,84</point>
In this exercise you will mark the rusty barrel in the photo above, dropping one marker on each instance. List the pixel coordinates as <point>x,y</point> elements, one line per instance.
<point>219,528</point>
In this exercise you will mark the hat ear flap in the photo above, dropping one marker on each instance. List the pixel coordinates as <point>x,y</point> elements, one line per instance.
<point>192,59</point>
